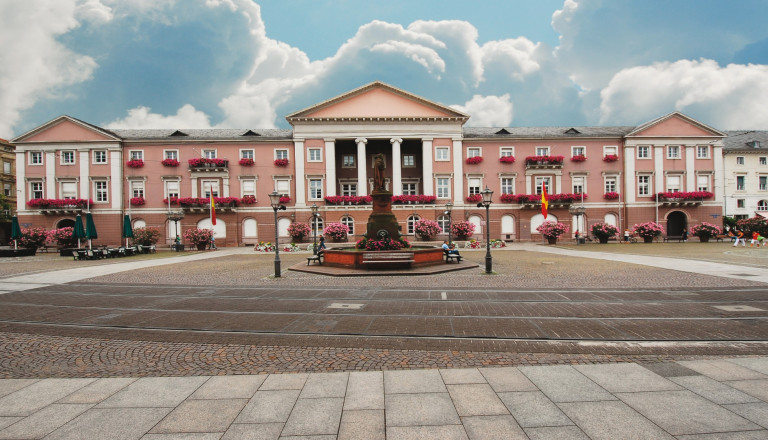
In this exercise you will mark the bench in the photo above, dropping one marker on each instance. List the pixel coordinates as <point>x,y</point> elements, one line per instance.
<point>449,256</point>
<point>388,258</point>
<point>679,238</point>
<point>722,237</point>
<point>318,258</point>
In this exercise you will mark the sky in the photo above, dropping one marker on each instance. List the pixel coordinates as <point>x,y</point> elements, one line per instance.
<point>249,63</point>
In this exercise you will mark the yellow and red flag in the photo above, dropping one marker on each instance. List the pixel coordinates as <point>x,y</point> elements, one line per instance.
<point>213,210</point>
<point>544,201</point>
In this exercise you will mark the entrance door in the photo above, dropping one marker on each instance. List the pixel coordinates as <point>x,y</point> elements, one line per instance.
<point>676,223</point>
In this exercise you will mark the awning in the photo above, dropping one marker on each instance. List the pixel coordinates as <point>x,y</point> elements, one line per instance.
<point>762,214</point>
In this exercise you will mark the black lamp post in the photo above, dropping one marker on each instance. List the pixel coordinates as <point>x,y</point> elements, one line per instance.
<point>274,200</point>
<point>314,229</point>
<point>487,194</point>
<point>448,209</point>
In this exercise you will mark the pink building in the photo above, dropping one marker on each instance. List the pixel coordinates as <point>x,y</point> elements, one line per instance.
<point>328,155</point>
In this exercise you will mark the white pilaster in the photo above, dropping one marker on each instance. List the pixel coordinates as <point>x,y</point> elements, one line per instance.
<point>21,183</point>
<point>193,182</point>
<point>559,184</point>
<point>458,172</point>
<point>428,187</point>
<point>85,182</point>
<point>362,184</point>
<point>628,191</point>
<point>719,188</point>
<point>50,175</point>
<point>330,167</point>
<point>397,167</point>
<point>225,184</point>
<point>658,168</point>
<point>116,182</point>
<point>690,173</point>
<point>301,181</point>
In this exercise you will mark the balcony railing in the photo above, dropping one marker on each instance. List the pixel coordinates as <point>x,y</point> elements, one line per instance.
<point>206,164</point>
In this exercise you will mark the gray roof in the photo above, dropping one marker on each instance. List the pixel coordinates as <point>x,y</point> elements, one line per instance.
<point>214,134</point>
<point>545,132</point>
<point>741,140</point>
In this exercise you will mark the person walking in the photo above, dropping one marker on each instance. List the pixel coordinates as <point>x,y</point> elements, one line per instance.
<point>754,239</point>
<point>626,236</point>
<point>739,238</point>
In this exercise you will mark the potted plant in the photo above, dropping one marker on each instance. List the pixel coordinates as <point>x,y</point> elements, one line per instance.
<point>137,201</point>
<point>474,160</point>
<point>246,162</point>
<point>281,162</point>
<point>603,231</point>
<point>63,237</point>
<point>648,231</point>
<point>578,158</point>
<point>705,231</point>
<point>611,195</point>
<point>426,229</point>
<point>610,158</point>
<point>507,159</point>
<point>33,238</point>
<point>299,230</point>
<point>552,230</point>
<point>248,200</point>
<point>146,236</point>
<point>337,231</point>
<point>198,237</point>
<point>474,198</point>
<point>462,230</point>
<point>170,162</point>
<point>135,163</point>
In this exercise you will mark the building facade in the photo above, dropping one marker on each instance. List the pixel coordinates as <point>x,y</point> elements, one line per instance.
<point>620,175</point>
<point>746,173</point>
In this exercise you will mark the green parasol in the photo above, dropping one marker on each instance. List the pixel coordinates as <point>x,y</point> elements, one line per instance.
<point>78,232</point>
<point>127,229</point>
<point>15,231</point>
<point>90,229</point>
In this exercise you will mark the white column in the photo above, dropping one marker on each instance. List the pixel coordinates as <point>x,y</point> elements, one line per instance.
<point>658,168</point>
<point>458,172</point>
<point>397,167</point>
<point>362,184</point>
<point>116,171</point>
<point>628,191</point>
<point>50,175</point>
<point>301,181</point>
<point>330,167</point>
<point>21,183</point>
<point>428,187</point>
<point>690,173</point>
<point>719,184</point>
<point>85,182</point>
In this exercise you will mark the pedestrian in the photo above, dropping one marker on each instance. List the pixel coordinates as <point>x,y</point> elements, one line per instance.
<point>685,235</point>
<point>322,243</point>
<point>213,243</point>
<point>626,236</point>
<point>739,238</point>
<point>754,239</point>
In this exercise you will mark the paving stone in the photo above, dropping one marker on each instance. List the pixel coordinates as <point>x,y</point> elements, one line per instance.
<point>759,364</point>
<point>184,436</point>
<point>450,432</point>
<point>413,381</point>
<point>721,370</point>
<point>713,390</point>
<point>700,417</point>
<point>269,407</point>
<point>365,390</point>
<point>314,417</point>
<point>626,378</point>
<point>604,420</point>
<point>362,424</point>
<point>756,388</point>
<point>201,416</point>
<point>284,382</point>
<point>8,386</point>
<point>493,428</point>
<point>754,412</point>
<point>39,395</point>
<point>462,376</point>
<point>533,409</point>
<point>504,379</point>
<point>420,409</point>
<point>668,369</point>
<point>45,421</point>
<point>110,423</point>
<point>97,391</point>
<point>556,433</point>
<point>253,431</point>
<point>8,421</point>
<point>308,437</point>
<point>154,392</point>
<point>325,385</point>
<point>476,400</point>
<point>229,387</point>
<point>562,383</point>
<point>743,435</point>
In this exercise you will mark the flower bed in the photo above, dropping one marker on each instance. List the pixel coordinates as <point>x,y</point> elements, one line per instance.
<point>204,162</point>
<point>462,229</point>
<point>474,160</point>
<point>138,201</point>
<point>59,203</point>
<point>246,162</point>
<point>348,200</point>
<point>281,162</point>
<point>386,244</point>
<point>693,195</point>
<point>507,159</point>
<point>498,243</point>
<point>299,230</point>
<point>136,163</point>
<point>264,246</point>
<point>473,244</point>
<point>544,160</point>
<point>579,158</point>
<point>611,195</point>
<point>337,231</point>
<point>648,230</point>
<point>610,158</point>
<point>413,199</point>
<point>170,162</point>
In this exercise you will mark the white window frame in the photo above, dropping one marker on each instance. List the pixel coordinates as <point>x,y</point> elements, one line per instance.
<point>351,187</point>
<point>647,185</point>
<point>609,150</point>
<point>511,185</point>
<point>245,192</point>
<point>41,191</point>
<point>439,157</point>
<point>762,160</point>
<point>311,191</point>
<point>210,153</point>
<point>762,205</point>
<point>283,181</point>
<point>673,152</point>
<point>135,154</point>
<point>583,179</point>
<point>7,189</point>
<point>413,160</point>
<point>247,153</point>
<point>95,157</point>
<point>644,148</point>
<point>208,186</point>
<point>33,155</point>
<point>743,185</point>
<point>672,187</point>
<point>701,177</point>
<point>136,188</point>
<point>447,187</point>
<point>542,151</point>
<point>575,149</point>
<point>280,152</point>
<point>68,153</point>
<point>414,182</point>
<point>471,189</point>
<point>171,154</point>
<point>99,191</point>
<point>700,149</point>
<point>344,163</point>
<point>410,224</point>
<point>740,160</point>
<point>314,151</point>
<point>75,194</point>
<point>538,182</point>
<point>349,222</point>
<point>610,184</point>
<point>506,151</point>
<point>474,152</point>
<point>167,188</point>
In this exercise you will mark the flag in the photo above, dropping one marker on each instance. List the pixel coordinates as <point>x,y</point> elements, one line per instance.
<point>544,201</point>
<point>213,210</point>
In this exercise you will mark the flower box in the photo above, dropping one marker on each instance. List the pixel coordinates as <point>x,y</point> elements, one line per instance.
<point>246,162</point>
<point>348,200</point>
<point>610,158</point>
<point>474,198</point>
<point>611,195</point>
<point>60,204</point>
<point>474,160</point>
<point>204,162</point>
<point>281,162</point>
<point>579,158</point>
<point>170,163</point>
<point>544,160</point>
<point>285,199</point>
<point>508,198</point>
<point>692,195</point>
<point>411,199</point>
<point>248,200</point>
<point>136,163</point>
<point>507,159</point>
<point>138,201</point>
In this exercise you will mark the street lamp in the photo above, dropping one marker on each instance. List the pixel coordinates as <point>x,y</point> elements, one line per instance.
<point>448,209</point>
<point>274,200</point>
<point>314,229</point>
<point>487,194</point>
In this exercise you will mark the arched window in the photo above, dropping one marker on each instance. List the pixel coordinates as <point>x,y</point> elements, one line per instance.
<point>282,226</point>
<point>762,205</point>
<point>444,222</point>
<point>219,230</point>
<point>507,224</point>
<point>350,223</point>
<point>139,224</point>
<point>320,226</point>
<point>538,219</point>
<point>611,219</point>
<point>411,223</point>
<point>250,228</point>
<point>478,222</point>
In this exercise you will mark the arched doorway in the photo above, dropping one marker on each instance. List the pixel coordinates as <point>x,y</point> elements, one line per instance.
<point>65,223</point>
<point>677,222</point>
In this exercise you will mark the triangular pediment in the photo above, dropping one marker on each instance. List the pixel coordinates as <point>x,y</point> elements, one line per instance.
<point>377,101</point>
<point>675,124</point>
<point>67,129</point>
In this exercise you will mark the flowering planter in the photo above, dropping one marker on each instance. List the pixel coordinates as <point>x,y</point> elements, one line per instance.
<point>552,240</point>
<point>202,246</point>
<point>704,239</point>
<point>647,239</point>
<point>603,240</point>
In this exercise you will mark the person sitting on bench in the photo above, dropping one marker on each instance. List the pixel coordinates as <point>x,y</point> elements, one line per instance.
<point>450,249</point>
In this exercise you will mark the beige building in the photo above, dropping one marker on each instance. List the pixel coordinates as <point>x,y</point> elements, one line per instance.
<point>746,173</point>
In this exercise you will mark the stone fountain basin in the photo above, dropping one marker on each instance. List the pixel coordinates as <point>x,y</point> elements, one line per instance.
<point>353,258</point>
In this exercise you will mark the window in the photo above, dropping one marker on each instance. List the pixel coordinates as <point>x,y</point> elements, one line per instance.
<point>171,154</point>
<point>762,205</point>
<point>348,189</point>
<point>349,222</point>
<point>136,155</point>
<point>610,184</point>
<point>473,152</point>
<point>763,183</point>
<point>610,151</point>
<point>318,224</point>
<point>740,183</point>
<point>739,203</point>
<point>210,187</point>
<point>348,161</point>
<point>540,181</point>
<point>172,188</point>
<point>409,161</point>
<point>248,187</point>
<point>68,157</point>
<point>577,183</point>
<point>35,157</point>
<point>444,222</point>
<point>643,185</point>
<point>100,190</point>
<point>246,154</point>
<point>739,160</point>
<point>673,183</point>
<point>643,152</point>
<point>442,154</point>
<point>578,151</point>
<point>68,190</point>
<point>507,185</point>
<point>542,151</point>
<point>36,190</point>
<point>412,223</point>
<point>673,152</point>
<point>209,154</point>
<point>6,167</point>
<point>507,151</point>
<point>443,187</point>
<point>283,186</point>
<point>281,154</point>
<point>409,189</point>
<point>7,189</point>
<point>315,155</point>
<point>763,160</point>
<point>702,183</point>
<point>137,189</point>
<point>100,157</point>
<point>474,185</point>
<point>702,152</point>
<point>315,189</point>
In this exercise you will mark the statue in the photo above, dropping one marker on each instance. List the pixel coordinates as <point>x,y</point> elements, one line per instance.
<point>378,173</point>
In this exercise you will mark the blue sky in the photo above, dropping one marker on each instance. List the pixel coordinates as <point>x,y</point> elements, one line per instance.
<point>247,64</point>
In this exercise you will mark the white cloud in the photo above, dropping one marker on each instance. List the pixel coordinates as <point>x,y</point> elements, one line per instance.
<point>730,97</point>
<point>94,11</point>
<point>488,111</point>
<point>142,117</point>
<point>516,58</point>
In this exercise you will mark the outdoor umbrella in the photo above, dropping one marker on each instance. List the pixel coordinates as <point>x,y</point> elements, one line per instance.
<point>90,229</point>
<point>15,232</point>
<point>78,232</point>
<point>127,229</point>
